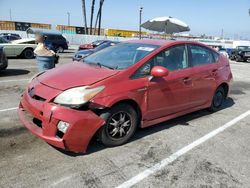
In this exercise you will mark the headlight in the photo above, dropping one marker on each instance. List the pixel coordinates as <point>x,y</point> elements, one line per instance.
<point>36,75</point>
<point>78,95</point>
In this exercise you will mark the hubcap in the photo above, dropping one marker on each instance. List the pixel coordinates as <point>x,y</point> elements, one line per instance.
<point>29,54</point>
<point>119,125</point>
<point>60,49</point>
<point>218,99</point>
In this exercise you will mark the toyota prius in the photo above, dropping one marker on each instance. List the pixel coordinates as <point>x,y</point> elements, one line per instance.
<point>114,91</point>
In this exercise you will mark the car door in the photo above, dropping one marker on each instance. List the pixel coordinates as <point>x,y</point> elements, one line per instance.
<point>9,49</point>
<point>170,94</point>
<point>204,74</point>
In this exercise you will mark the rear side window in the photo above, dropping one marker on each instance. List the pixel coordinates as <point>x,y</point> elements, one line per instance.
<point>201,55</point>
<point>216,56</point>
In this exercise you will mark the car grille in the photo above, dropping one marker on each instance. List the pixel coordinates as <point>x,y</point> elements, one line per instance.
<point>35,96</point>
<point>32,119</point>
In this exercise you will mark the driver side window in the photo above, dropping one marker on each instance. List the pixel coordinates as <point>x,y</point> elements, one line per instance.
<point>173,58</point>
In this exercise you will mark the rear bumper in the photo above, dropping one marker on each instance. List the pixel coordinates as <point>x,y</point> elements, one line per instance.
<point>41,119</point>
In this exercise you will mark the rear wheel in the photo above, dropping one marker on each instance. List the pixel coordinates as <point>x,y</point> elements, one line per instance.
<point>60,49</point>
<point>28,53</point>
<point>218,99</point>
<point>121,123</point>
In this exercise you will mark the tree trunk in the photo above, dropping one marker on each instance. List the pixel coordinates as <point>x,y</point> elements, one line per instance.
<point>92,14</point>
<point>84,16</point>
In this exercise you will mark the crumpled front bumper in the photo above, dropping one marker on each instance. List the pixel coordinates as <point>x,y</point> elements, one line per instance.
<point>42,117</point>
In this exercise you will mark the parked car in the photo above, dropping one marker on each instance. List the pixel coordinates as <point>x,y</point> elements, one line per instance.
<point>10,36</point>
<point>59,42</point>
<point>79,55</point>
<point>91,45</point>
<point>224,52</point>
<point>55,37</point>
<point>241,53</point>
<point>3,59</point>
<point>135,83</point>
<point>22,47</point>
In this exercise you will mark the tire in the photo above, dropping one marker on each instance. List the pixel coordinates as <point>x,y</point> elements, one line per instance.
<point>218,99</point>
<point>238,58</point>
<point>121,124</point>
<point>28,53</point>
<point>60,49</point>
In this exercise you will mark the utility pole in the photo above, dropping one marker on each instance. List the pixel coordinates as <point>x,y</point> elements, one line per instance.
<point>100,17</point>
<point>91,16</point>
<point>68,18</point>
<point>84,16</point>
<point>140,15</point>
<point>222,34</point>
<point>10,14</point>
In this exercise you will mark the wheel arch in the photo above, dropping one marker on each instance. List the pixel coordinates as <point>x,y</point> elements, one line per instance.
<point>26,49</point>
<point>225,86</point>
<point>133,104</point>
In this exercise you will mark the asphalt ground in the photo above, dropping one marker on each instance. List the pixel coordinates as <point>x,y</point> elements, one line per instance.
<point>223,160</point>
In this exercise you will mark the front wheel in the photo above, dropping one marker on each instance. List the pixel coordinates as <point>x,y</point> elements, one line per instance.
<point>120,126</point>
<point>218,99</point>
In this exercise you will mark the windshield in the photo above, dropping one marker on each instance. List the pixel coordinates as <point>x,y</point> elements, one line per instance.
<point>243,47</point>
<point>121,56</point>
<point>3,40</point>
<point>97,43</point>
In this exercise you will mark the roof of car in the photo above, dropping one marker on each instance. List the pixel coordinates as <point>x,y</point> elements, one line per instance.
<point>161,42</point>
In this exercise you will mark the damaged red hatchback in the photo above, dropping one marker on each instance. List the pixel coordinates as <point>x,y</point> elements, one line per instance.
<point>135,83</point>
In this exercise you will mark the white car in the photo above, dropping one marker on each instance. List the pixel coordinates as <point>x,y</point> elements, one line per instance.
<point>21,47</point>
<point>224,52</point>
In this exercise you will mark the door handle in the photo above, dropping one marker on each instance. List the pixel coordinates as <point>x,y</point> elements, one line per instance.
<point>187,79</point>
<point>214,72</point>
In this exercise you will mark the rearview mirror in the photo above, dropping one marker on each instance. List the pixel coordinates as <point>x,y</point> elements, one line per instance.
<point>159,71</point>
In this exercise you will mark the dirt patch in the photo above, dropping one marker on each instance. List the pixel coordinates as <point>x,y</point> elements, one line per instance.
<point>213,175</point>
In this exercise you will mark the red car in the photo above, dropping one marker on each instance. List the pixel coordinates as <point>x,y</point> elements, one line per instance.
<point>92,45</point>
<point>133,84</point>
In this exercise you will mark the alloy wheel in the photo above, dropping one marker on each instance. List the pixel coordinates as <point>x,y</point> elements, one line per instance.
<point>119,125</point>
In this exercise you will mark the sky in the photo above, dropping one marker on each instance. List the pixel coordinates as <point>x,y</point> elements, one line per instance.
<point>203,16</point>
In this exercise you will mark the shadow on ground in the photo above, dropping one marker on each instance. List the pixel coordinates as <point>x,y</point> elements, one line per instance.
<point>95,146</point>
<point>13,72</point>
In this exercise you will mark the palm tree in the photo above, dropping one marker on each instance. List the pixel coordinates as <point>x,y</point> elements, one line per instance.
<point>99,17</point>
<point>84,16</point>
<point>92,14</point>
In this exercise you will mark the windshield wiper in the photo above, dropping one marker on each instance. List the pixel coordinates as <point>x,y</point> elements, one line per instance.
<point>102,65</point>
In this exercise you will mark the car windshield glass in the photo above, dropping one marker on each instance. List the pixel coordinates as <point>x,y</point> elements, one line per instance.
<point>3,40</point>
<point>244,47</point>
<point>121,56</point>
<point>98,42</point>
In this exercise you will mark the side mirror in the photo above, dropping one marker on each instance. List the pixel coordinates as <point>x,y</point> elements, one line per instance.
<point>159,71</point>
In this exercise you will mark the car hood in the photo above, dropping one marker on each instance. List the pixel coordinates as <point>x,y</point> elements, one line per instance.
<point>75,74</point>
<point>86,51</point>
